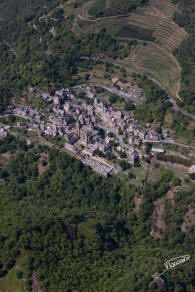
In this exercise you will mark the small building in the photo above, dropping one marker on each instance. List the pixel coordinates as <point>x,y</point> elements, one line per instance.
<point>90,94</point>
<point>57,100</point>
<point>119,148</point>
<point>46,96</point>
<point>105,148</point>
<point>32,90</point>
<point>69,147</point>
<point>3,132</point>
<point>115,80</point>
<point>90,149</point>
<point>28,142</point>
<point>61,93</point>
<point>117,114</point>
<point>157,150</point>
<point>134,140</point>
<point>71,138</point>
<point>165,133</point>
<point>192,169</point>
<point>132,155</point>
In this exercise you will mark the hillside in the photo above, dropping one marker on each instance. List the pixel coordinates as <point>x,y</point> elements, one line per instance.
<point>150,24</point>
<point>103,8</point>
<point>90,230</point>
<point>155,55</point>
<point>185,18</point>
<point>12,9</point>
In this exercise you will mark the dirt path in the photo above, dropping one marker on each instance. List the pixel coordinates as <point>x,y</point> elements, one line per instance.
<point>189,220</point>
<point>159,224</point>
<point>11,49</point>
<point>104,18</point>
<point>35,284</point>
<point>75,20</point>
<point>178,88</point>
<point>147,174</point>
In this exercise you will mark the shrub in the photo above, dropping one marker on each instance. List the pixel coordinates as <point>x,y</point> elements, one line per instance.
<point>44,162</point>
<point>19,274</point>
<point>113,98</point>
<point>129,106</point>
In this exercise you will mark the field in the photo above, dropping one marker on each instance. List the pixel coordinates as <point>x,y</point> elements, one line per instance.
<point>10,283</point>
<point>158,35</point>
<point>102,8</point>
<point>97,8</point>
<point>153,60</point>
<point>131,31</point>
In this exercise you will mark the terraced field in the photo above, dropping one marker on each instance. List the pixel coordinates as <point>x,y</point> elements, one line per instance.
<point>166,32</point>
<point>154,58</point>
<point>157,58</point>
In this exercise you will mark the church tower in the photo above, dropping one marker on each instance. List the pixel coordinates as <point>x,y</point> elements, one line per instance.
<point>78,127</point>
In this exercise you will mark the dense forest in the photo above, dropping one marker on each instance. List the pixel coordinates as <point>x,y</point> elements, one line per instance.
<point>79,232</point>
<point>10,9</point>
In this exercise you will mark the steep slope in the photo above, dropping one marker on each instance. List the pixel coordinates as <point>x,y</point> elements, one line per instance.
<point>185,18</point>
<point>11,9</point>
<point>152,57</point>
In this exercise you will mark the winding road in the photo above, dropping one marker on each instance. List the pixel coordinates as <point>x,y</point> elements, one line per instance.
<point>177,108</point>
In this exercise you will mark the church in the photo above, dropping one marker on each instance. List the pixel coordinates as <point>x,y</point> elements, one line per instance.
<point>83,133</point>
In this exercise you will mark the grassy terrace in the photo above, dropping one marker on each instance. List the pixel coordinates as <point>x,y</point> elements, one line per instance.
<point>102,8</point>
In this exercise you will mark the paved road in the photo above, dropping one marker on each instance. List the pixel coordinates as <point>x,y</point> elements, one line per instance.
<point>177,108</point>
<point>114,90</point>
<point>173,143</point>
<point>16,115</point>
<point>158,142</point>
<point>126,68</point>
<point>121,93</point>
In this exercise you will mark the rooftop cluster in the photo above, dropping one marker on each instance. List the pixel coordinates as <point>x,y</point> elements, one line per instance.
<point>88,125</point>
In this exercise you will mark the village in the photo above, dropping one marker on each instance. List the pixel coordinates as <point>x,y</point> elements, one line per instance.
<point>90,126</point>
